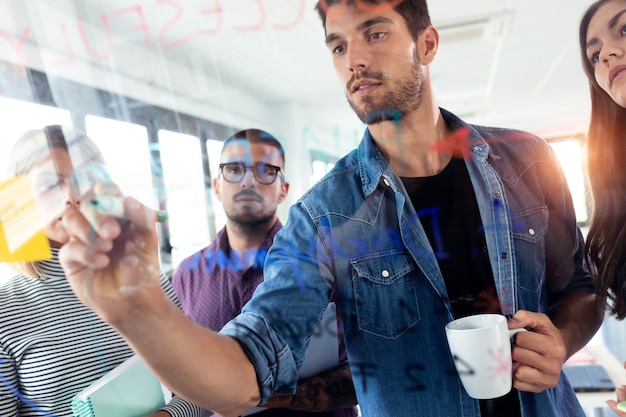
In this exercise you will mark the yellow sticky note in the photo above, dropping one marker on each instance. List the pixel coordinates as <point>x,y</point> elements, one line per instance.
<point>21,224</point>
<point>37,248</point>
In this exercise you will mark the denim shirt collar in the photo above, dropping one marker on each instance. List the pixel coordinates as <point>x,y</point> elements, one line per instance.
<point>372,164</point>
<point>476,143</point>
<point>374,168</point>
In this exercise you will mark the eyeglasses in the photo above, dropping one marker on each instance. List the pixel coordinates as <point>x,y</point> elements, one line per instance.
<point>235,171</point>
<point>80,181</point>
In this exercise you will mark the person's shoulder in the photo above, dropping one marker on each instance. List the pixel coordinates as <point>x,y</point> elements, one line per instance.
<point>214,246</point>
<point>195,265</point>
<point>17,286</point>
<point>498,135</point>
<point>19,295</point>
<point>503,141</point>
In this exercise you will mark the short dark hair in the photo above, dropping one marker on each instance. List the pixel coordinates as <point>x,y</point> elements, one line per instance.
<point>257,136</point>
<point>414,12</point>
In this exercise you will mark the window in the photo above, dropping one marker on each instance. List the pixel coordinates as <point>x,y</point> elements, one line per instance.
<point>321,164</point>
<point>214,150</point>
<point>184,180</point>
<point>126,151</point>
<point>25,116</point>
<point>569,154</point>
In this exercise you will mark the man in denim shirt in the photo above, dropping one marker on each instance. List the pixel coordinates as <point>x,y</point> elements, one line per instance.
<point>428,220</point>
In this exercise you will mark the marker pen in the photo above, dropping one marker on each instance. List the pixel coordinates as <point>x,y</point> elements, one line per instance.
<point>114,206</point>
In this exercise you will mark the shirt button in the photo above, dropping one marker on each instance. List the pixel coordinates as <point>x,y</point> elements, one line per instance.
<point>504,255</point>
<point>385,273</point>
<point>386,182</point>
<point>496,194</point>
<point>531,232</point>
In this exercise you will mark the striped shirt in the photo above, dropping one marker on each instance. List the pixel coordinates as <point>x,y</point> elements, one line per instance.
<point>52,346</point>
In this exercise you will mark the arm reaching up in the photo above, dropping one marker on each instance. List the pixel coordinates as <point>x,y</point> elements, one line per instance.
<point>113,266</point>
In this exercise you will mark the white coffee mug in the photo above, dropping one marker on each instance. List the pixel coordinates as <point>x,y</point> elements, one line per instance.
<point>481,348</point>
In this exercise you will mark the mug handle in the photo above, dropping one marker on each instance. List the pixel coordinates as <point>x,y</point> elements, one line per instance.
<point>513,332</point>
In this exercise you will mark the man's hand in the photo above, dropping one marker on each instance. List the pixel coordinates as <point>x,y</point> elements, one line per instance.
<point>278,401</point>
<point>327,391</point>
<point>107,260</point>
<point>539,353</point>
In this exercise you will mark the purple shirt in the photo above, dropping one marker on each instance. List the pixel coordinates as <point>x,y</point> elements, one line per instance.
<point>212,286</point>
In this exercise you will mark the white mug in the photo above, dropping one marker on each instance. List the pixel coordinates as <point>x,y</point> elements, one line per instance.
<point>481,349</point>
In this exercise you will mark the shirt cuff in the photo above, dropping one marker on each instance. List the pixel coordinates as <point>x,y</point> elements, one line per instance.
<point>269,354</point>
<point>177,407</point>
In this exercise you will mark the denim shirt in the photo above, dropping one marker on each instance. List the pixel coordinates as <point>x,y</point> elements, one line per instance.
<point>356,232</point>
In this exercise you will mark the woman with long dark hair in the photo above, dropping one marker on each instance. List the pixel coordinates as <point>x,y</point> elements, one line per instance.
<point>602,37</point>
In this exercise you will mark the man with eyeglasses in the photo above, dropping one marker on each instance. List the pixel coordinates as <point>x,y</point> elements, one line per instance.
<point>214,283</point>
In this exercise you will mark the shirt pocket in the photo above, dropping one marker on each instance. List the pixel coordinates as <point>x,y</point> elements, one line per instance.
<point>385,294</point>
<point>529,228</point>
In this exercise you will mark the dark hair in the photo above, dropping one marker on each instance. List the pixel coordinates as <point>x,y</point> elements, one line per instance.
<point>257,136</point>
<point>605,146</point>
<point>414,12</point>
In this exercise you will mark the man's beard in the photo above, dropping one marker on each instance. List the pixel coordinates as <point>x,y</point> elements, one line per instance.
<point>249,220</point>
<point>246,216</point>
<point>404,97</point>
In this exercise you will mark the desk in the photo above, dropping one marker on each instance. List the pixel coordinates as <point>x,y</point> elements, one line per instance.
<point>615,369</point>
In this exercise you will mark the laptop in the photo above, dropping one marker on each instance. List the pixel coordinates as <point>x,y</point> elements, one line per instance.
<point>588,378</point>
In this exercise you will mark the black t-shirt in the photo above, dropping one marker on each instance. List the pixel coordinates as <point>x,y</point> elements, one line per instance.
<point>446,206</point>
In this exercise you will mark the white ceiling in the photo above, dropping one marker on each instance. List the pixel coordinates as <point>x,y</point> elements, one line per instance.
<point>522,71</point>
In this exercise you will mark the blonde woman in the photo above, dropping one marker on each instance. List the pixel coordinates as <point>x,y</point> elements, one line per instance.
<point>51,345</point>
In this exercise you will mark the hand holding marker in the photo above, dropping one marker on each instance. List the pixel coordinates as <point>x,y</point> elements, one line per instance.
<point>114,206</point>
<point>95,175</point>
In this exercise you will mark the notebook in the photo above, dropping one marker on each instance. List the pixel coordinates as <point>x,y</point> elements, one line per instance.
<point>129,390</point>
<point>323,351</point>
<point>588,378</point>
